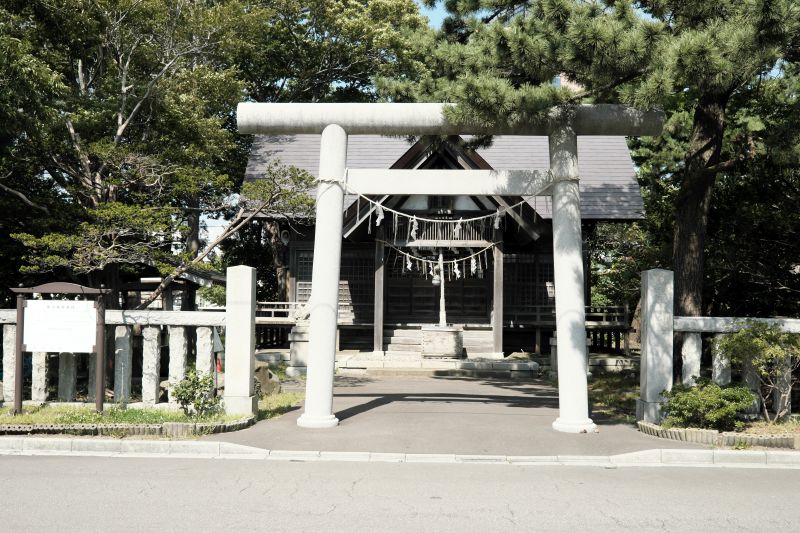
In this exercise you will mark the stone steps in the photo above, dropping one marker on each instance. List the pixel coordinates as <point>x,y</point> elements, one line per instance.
<point>401,356</point>
<point>392,347</point>
<point>403,340</point>
<point>400,364</point>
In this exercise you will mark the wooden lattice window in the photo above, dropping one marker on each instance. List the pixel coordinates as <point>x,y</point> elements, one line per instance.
<point>525,281</point>
<point>304,260</point>
<point>356,282</point>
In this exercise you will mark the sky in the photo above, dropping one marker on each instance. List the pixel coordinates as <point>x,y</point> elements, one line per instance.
<point>435,15</point>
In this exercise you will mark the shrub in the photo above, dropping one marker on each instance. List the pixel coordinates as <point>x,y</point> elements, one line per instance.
<point>706,405</point>
<point>257,392</point>
<point>196,390</point>
<point>772,354</point>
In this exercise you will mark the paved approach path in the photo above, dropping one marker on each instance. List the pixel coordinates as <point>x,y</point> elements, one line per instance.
<point>445,415</point>
<point>90,494</point>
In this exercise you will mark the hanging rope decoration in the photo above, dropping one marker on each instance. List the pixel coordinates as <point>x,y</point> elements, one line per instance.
<point>478,262</point>
<point>380,209</point>
<point>378,214</point>
<point>421,228</point>
<point>413,228</point>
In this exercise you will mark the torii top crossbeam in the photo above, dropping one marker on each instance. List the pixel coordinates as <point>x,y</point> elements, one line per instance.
<point>430,119</point>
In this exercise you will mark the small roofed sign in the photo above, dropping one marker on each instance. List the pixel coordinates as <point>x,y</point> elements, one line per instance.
<point>60,326</point>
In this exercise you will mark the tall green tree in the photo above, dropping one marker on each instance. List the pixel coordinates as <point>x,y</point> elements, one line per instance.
<point>753,241</point>
<point>137,141</point>
<point>28,86</point>
<point>317,51</point>
<point>130,128</point>
<point>497,59</point>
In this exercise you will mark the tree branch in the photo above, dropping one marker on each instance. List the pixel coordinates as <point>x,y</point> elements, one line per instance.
<point>24,198</point>
<point>722,166</point>
<point>236,224</point>
<point>616,83</point>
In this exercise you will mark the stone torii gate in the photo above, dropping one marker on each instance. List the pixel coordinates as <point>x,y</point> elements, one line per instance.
<point>335,121</point>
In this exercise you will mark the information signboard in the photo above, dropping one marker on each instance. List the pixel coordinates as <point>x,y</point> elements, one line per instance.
<point>60,326</point>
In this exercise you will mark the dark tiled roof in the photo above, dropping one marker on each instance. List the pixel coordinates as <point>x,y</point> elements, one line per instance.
<point>608,182</point>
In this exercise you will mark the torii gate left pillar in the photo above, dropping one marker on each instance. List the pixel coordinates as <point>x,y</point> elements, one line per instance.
<point>324,301</point>
<point>335,121</point>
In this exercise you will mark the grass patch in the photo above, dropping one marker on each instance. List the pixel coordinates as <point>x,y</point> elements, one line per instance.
<point>275,405</point>
<point>614,394</point>
<point>62,414</point>
<point>761,427</point>
<point>280,371</point>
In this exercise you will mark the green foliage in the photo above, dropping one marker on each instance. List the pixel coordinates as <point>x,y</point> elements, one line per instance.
<point>283,190</point>
<point>59,414</point>
<point>724,72</point>
<point>773,354</point>
<point>753,227</point>
<point>614,394</point>
<point>214,294</point>
<point>619,253</point>
<point>275,405</point>
<point>287,193</point>
<point>116,233</point>
<point>706,405</point>
<point>257,391</point>
<point>117,117</point>
<point>195,394</point>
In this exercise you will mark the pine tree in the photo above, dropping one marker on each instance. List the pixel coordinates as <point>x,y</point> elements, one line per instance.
<point>497,59</point>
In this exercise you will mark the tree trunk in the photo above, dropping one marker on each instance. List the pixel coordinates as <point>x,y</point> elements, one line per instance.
<point>108,278</point>
<point>636,323</point>
<point>193,221</point>
<point>280,253</point>
<point>691,215</point>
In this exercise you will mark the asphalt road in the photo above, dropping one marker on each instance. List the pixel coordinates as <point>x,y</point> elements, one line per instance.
<point>114,494</point>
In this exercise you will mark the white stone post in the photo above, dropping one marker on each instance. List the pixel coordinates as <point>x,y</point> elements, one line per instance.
<point>67,376</point>
<point>657,330</point>
<point>205,351</point>
<point>39,378</point>
<point>573,394</point>
<point>151,364</point>
<point>298,349</point>
<point>753,382</point>
<point>324,301</point>
<point>691,351</point>
<point>720,365</point>
<point>240,340</point>
<point>9,362</point>
<point>177,358</point>
<point>123,362</point>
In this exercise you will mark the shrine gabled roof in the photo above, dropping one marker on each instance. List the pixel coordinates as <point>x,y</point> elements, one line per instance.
<point>609,190</point>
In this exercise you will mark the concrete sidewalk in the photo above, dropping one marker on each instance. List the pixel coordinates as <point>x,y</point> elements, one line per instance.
<point>445,415</point>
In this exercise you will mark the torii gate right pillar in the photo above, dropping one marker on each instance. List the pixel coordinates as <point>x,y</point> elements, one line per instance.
<point>573,400</point>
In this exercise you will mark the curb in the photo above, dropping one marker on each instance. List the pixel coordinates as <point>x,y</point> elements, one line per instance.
<point>165,429</point>
<point>716,438</point>
<point>226,450</point>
